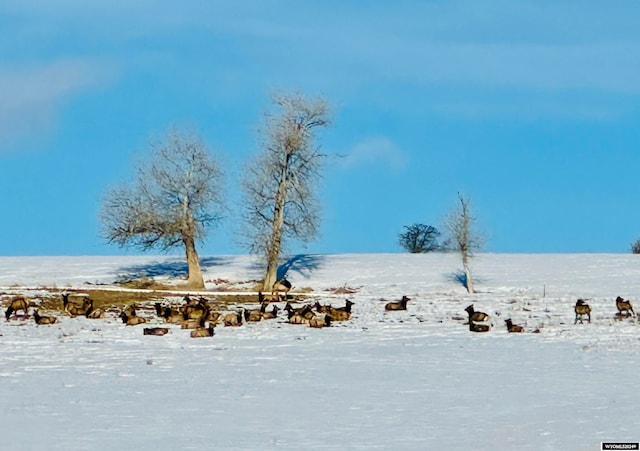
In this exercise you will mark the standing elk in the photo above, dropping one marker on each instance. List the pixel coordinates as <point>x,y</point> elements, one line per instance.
<point>17,303</point>
<point>281,288</point>
<point>582,309</point>
<point>624,306</point>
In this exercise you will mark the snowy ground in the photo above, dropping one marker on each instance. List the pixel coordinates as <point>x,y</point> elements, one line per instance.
<point>398,380</point>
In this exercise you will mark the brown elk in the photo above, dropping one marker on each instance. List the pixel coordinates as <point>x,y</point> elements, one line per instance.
<point>513,327</point>
<point>232,319</point>
<point>319,322</point>
<point>72,307</point>
<point>192,323</point>
<point>94,313</point>
<point>476,317</point>
<point>272,314</point>
<point>624,306</point>
<point>41,320</point>
<point>397,305</point>
<point>17,303</point>
<point>582,309</point>
<point>281,289</point>
<point>158,331</point>
<point>255,315</point>
<point>201,332</point>
<point>479,327</point>
<point>302,316</point>
<point>305,311</point>
<point>132,320</point>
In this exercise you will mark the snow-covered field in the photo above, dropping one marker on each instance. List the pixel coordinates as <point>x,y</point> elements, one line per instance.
<point>415,379</point>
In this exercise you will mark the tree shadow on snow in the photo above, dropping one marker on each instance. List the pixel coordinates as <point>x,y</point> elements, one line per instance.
<point>302,264</point>
<point>169,268</point>
<point>461,278</point>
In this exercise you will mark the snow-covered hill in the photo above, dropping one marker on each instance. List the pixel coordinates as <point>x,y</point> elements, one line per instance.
<point>415,379</point>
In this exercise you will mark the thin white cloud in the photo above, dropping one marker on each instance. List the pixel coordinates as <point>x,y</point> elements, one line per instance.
<point>32,94</point>
<point>376,151</point>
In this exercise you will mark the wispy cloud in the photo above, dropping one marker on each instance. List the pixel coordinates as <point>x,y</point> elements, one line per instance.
<point>376,151</point>
<point>33,94</point>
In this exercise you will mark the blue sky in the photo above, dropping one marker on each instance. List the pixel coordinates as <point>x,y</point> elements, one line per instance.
<point>529,108</point>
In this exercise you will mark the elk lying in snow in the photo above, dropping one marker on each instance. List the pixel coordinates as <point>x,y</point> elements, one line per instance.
<point>397,305</point>
<point>304,311</point>
<point>319,322</point>
<point>74,308</point>
<point>624,306</point>
<point>17,303</point>
<point>476,317</point>
<point>132,320</point>
<point>479,327</point>
<point>94,313</point>
<point>41,320</point>
<point>513,327</point>
<point>255,315</point>
<point>192,323</point>
<point>336,313</point>
<point>170,315</point>
<point>203,332</point>
<point>301,316</point>
<point>158,331</point>
<point>232,319</point>
<point>582,309</point>
<point>272,314</point>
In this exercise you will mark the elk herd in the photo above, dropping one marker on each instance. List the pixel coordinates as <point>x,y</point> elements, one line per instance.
<point>198,315</point>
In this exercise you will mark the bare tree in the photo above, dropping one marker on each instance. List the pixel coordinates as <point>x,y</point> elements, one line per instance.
<point>279,185</point>
<point>174,199</point>
<point>464,238</point>
<point>635,247</point>
<point>419,239</point>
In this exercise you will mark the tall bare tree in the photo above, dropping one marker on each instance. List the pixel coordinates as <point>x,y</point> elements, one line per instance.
<point>463,235</point>
<point>279,184</point>
<point>176,195</point>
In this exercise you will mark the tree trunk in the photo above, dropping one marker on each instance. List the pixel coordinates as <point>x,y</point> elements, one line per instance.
<point>195,279</point>
<point>275,243</point>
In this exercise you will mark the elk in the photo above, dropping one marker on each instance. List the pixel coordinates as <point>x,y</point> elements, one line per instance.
<point>41,320</point>
<point>201,332</point>
<point>625,306</point>
<point>255,315</point>
<point>476,317</point>
<point>304,311</point>
<point>158,331</point>
<point>272,314</point>
<point>303,316</point>
<point>582,309</point>
<point>192,323</point>
<point>513,327</point>
<point>72,307</point>
<point>281,288</point>
<point>319,322</point>
<point>397,305</point>
<point>17,303</point>
<point>94,313</point>
<point>475,327</point>
<point>232,319</point>
<point>132,320</point>
<point>336,313</point>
